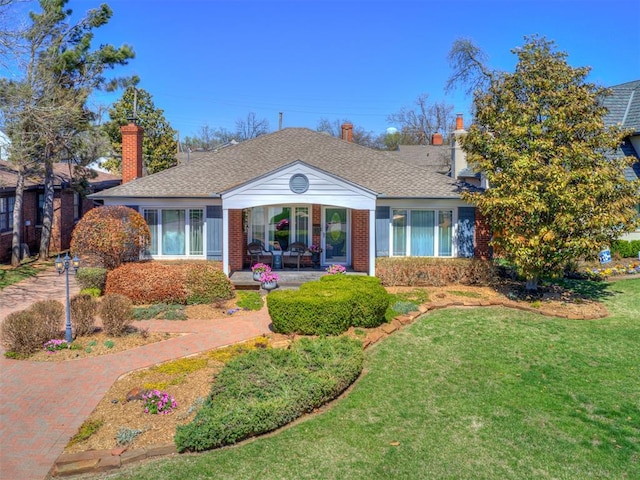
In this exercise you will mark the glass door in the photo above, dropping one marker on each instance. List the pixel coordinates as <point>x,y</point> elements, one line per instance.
<point>336,238</point>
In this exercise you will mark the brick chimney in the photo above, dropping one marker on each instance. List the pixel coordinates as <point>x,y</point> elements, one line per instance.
<point>436,139</point>
<point>459,122</point>
<point>131,151</point>
<point>347,132</point>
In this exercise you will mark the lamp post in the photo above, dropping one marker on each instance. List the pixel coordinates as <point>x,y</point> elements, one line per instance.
<point>62,265</point>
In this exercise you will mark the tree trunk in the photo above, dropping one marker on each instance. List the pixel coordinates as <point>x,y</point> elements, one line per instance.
<point>16,241</point>
<point>532,284</point>
<point>47,214</point>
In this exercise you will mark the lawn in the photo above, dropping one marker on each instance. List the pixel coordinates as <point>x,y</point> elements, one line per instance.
<point>466,394</point>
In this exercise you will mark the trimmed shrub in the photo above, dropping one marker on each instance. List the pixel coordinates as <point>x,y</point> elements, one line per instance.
<point>26,331</point>
<point>369,298</point>
<point>83,309</point>
<point>206,283</point>
<point>414,271</point>
<point>116,234</point>
<point>182,283</point>
<point>309,312</point>
<point>265,389</point>
<point>329,306</point>
<point>92,277</point>
<point>116,312</point>
<point>149,282</point>
<point>625,249</point>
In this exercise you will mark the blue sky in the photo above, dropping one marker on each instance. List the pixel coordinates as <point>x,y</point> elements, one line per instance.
<point>212,62</point>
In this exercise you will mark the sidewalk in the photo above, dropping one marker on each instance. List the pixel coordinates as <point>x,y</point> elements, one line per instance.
<point>42,404</point>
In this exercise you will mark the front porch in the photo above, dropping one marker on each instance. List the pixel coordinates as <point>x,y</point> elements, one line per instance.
<point>289,279</point>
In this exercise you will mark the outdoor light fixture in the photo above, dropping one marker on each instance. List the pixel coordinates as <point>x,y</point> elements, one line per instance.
<point>62,265</point>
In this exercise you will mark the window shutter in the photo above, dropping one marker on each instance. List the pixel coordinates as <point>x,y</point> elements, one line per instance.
<point>214,232</point>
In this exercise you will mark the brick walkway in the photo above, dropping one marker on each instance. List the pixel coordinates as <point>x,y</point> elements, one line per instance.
<point>42,404</point>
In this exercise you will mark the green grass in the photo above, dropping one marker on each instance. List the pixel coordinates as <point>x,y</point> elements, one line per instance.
<point>466,394</point>
<point>9,276</point>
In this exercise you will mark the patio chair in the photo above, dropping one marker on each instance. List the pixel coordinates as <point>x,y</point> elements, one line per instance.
<point>257,254</point>
<point>294,255</point>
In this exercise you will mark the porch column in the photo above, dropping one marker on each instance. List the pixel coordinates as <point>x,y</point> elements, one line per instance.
<point>372,243</point>
<point>225,241</point>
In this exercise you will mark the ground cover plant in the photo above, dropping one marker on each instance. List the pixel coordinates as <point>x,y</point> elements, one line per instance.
<point>466,394</point>
<point>267,389</point>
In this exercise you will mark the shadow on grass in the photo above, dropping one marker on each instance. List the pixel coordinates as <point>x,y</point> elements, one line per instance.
<point>589,289</point>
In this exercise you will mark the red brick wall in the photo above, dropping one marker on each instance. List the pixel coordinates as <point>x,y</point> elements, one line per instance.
<point>483,237</point>
<point>131,152</point>
<point>316,220</point>
<point>360,240</point>
<point>237,241</point>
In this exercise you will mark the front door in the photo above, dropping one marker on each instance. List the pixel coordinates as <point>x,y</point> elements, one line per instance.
<point>335,236</point>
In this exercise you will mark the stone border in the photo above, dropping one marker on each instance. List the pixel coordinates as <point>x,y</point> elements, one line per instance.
<point>100,461</point>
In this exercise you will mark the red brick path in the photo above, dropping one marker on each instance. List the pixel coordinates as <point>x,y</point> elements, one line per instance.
<point>42,404</point>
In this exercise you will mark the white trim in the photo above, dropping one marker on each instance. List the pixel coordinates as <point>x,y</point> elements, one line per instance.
<point>324,189</point>
<point>454,232</point>
<point>225,241</point>
<point>372,243</point>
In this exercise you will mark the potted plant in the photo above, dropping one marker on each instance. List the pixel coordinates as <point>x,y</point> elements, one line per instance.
<point>258,269</point>
<point>315,250</point>
<point>269,280</point>
<point>336,269</point>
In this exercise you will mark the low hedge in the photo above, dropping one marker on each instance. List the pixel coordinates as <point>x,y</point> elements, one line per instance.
<point>625,249</point>
<point>265,389</point>
<point>419,271</point>
<point>92,277</point>
<point>181,283</point>
<point>329,306</point>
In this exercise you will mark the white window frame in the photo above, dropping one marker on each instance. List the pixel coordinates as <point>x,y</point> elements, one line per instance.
<point>187,231</point>
<point>292,221</point>
<point>436,231</point>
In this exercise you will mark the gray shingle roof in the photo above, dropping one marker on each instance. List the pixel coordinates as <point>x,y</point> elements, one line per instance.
<point>436,158</point>
<point>624,106</point>
<point>624,110</point>
<point>207,174</point>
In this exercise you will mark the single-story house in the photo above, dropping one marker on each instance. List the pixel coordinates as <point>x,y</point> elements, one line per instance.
<point>68,207</point>
<point>624,110</point>
<point>298,185</point>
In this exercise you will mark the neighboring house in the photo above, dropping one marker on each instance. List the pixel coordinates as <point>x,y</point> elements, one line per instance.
<point>298,185</point>
<point>68,207</point>
<point>624,110</point>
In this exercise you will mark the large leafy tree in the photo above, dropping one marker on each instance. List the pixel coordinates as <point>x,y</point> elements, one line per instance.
<point>556,193</point>
<point>44,108</point>
<point>159,145</point>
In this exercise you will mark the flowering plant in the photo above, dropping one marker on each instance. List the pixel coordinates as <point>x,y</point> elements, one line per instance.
<point>261,268</point>
<point>336,269</point>
<point>156,402</point>
<point>269,277</point>
<point>52,346</point>
<point>315,248</point>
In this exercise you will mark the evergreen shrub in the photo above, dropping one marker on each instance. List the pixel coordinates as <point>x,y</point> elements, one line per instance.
<point>265,389</point>
<point>92,277</point>
<point>329,306</point>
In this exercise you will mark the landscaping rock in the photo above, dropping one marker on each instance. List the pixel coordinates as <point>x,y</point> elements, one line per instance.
<point>136,394</point>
